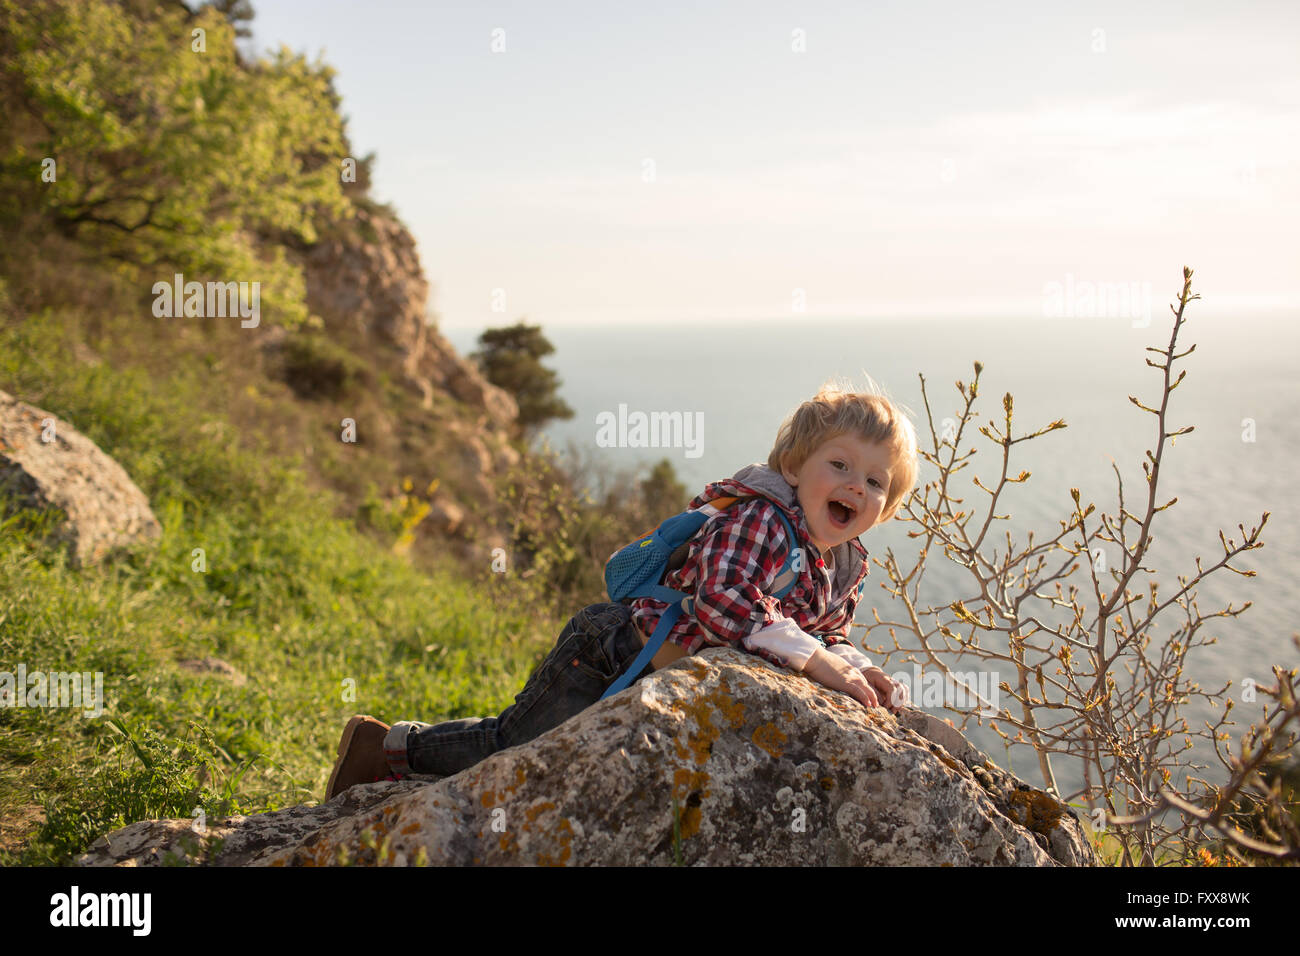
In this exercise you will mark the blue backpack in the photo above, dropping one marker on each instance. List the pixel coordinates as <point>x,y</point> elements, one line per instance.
<point>638,571</point>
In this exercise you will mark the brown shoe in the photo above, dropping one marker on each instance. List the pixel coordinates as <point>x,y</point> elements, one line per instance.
<point>361,755</point>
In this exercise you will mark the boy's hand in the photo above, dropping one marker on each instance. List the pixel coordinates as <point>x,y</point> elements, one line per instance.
<point>892,694</point>
<point>870,688</point>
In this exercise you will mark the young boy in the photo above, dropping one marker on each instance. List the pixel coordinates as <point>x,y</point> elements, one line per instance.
<point>843,462</point>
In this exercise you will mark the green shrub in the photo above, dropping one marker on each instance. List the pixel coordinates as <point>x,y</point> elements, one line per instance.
<point>317,367</point>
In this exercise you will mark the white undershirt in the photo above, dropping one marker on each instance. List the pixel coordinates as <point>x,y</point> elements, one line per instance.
<point>796,645</point>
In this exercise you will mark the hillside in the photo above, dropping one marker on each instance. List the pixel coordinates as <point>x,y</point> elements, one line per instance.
<point>348,476</point>
<point>344,328</point>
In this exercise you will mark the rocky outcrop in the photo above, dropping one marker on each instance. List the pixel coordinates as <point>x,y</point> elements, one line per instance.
<point>370,276</point>
<point>365,282</point>
<point>719,759</point>
<point>45,462</point>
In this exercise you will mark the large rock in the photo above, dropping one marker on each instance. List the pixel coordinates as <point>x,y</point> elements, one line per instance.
<point>765,767</point>
<point>104,508</point>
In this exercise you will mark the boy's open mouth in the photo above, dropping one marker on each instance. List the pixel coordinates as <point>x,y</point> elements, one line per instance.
<point>841,514</point>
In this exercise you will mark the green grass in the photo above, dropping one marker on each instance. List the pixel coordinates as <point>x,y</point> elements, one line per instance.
<point>306,606</point>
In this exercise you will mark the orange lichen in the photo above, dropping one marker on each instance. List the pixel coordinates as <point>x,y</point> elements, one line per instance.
<point>685,783</point>
<point>947,761</point>
<point>508,843</point>
<point>532,813</point>
<point>690,787</point>
<point>1041,813</point>
<point>701,710</point>
<point>492,797</point>
<point>769,738</point>
<point>566,838</point>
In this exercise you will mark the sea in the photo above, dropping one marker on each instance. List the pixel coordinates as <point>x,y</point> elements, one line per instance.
<point>738,381</point>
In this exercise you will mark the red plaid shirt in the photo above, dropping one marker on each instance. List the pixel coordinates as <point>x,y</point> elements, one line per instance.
<point>730,567</point>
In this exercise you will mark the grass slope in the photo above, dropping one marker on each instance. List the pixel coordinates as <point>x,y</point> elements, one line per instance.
<point>304,604</point>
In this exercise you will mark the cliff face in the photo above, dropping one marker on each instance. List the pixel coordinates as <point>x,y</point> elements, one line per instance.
<point>370,278</point>
<point>366,284</point>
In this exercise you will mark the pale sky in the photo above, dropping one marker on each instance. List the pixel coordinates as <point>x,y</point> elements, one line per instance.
<point>918,159</point>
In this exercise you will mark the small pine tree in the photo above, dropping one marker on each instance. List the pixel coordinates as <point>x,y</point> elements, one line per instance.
<point>510,359</point>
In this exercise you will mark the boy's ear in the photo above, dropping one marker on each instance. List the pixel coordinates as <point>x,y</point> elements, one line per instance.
<point>790,477</point>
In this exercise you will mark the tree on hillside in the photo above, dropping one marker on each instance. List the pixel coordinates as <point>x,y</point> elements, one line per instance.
<point>662,493</point>
<point>158,149</point>
<point>510,358</point>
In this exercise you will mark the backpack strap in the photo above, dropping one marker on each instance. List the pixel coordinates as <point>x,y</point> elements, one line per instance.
<point>679,602</point>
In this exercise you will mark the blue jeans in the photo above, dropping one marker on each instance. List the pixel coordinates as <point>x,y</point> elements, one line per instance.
<point>595,647</point>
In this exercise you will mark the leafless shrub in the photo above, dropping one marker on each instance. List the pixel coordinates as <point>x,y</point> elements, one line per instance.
<point>1093,688</point>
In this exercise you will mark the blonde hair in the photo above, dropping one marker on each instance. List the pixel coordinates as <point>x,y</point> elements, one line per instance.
<point>837,409</point>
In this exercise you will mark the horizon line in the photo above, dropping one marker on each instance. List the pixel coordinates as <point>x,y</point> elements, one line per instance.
<point>1241,306</point>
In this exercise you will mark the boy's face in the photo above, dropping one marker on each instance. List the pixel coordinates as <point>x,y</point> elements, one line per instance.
<point>842,488</point>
